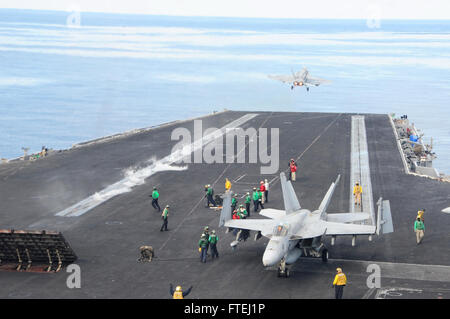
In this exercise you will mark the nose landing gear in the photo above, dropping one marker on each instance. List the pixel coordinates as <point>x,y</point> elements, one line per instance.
<point>282,270</point>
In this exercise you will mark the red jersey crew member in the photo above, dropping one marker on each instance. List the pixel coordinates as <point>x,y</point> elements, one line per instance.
<point>262,189</point>
<point>292,170</point>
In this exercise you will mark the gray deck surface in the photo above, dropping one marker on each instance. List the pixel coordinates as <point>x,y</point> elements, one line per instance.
<point>106,239</point>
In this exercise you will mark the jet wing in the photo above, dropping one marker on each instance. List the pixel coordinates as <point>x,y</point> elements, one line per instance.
<point>322,227</point>
<point>283,78</point>
<point>273,213</point>
<point>315,81</point>
<point>347,217</point>
<point>348,229</point>
<point>265,226</point>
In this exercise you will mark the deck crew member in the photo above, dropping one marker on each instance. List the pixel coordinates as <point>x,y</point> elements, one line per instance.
<point>179,293</point>
<point>260,197</point>
<point>155,196</point>
<point>419,228</point>
<point>248,200</point>
<point>357,192</point>
<point>234,202</point>
<point>147,253</point>
<point>292,170</point>
<point>203,247</point>
<point>242,212</point>
<point>262,189</point>
<point>420,215</point>
<point>43,152</point>
<point>165,218</point>
<point>209,195</point>
<point>340,280</point>
<point>255,197</point>
<point>213,239</point>
<point>227,184</point>
<point>266,193</point>
<point>206,233</point>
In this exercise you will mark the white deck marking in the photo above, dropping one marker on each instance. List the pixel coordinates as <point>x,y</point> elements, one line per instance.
<point>421,272</point>
<point>360,169</point>
<point>138,177</point>
<point>439,273</point>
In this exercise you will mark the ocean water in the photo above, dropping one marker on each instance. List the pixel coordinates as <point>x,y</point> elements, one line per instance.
<point>63,83</point>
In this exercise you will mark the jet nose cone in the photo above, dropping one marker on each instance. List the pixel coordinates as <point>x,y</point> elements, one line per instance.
<point>270,258</point>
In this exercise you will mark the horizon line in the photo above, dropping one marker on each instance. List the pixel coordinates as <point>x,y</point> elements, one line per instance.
<point>227,17</point>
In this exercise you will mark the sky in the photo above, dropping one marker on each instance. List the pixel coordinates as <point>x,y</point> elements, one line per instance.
<point>326,9</point>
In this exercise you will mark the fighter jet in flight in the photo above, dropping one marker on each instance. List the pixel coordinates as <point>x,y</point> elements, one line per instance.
<point>295,231</point>
<point>300,78</point>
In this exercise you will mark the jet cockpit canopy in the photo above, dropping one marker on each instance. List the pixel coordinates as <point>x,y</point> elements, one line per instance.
<point>280,230</point>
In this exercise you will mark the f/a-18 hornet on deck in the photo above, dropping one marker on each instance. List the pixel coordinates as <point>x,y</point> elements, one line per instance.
<point>295,231</point>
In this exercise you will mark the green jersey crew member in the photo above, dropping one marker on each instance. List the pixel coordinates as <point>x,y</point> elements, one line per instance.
<point>203,247</point>
<point>213,239</point>
<point>419,228</point>
<point>248,200</point>
<point>155,196</point>
<point>209,195</point>
<point>233,202</point>
<point>255,196</point>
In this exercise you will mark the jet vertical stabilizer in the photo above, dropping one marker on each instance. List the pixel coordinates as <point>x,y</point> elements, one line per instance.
<point>225,214</point>
<point>326,200</point>
<point>384,218</point>
<point>291,203</point>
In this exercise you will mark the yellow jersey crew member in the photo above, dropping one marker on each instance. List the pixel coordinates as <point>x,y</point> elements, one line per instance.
<point>227,184</point>
<point>340,280</point>
<point>357,192</point>
<point>179,293</point>
<point>420,215</point>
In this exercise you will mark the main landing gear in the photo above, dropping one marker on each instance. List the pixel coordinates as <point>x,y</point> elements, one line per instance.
<point>325,255</point>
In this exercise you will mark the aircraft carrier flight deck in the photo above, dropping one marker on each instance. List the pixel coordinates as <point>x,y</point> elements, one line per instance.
<point>106,234</point>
